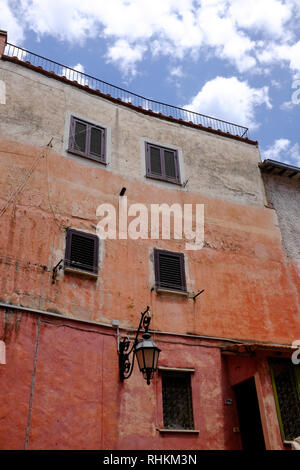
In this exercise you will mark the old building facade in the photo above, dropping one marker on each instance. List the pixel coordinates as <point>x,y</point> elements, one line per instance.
<point>67,296</point>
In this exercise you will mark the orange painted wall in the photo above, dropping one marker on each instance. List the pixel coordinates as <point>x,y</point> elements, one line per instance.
<point>77,400</point>
<point>245,274</point>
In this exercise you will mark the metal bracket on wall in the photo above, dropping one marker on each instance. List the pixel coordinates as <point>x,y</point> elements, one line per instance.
<point>196,295</point>
<point>56,268</point>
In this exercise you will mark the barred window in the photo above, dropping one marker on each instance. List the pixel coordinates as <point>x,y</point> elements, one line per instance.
<point>286,385</point>
<point>177,400</point>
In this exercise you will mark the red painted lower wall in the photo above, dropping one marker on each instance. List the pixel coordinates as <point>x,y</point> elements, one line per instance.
<point>60,390</point>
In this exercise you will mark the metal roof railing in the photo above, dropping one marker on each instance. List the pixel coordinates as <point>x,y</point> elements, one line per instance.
<point>124,95</point>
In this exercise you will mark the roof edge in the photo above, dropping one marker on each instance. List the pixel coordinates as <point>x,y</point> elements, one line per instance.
<point>126,104</point>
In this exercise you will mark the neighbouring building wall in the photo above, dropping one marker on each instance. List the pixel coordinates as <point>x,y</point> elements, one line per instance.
<point>284,194</point>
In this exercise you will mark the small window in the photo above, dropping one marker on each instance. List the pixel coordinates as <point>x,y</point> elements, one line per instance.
<point>87,140</point>
<point>286,386</point>
<point>162,163</point>
<point>82,251</point>
<point>169,270</point>
<point>177,400</point>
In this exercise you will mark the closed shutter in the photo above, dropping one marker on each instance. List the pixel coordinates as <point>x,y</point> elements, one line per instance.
<point>87,140</point>
<point>170,165</point>
<point>80,137</point>
<point>155,160</point>
<point>82,251</point>
<point>97,143</point>
<point>162,163</point>
<point>169,270</point>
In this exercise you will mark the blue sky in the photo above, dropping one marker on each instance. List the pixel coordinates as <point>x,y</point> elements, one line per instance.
<point>237,60</point>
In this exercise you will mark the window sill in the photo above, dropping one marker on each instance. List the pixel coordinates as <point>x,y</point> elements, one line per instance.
<point>188,431</point>
<point>80,272</point>
<point>157,178</point>
<point>175,369</point>
<point>180,293</point>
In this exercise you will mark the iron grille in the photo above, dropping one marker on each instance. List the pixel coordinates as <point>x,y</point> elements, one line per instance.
<point>177,400</point>
<point>286,384</point>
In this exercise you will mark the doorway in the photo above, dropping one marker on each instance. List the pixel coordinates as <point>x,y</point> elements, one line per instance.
<point>249,416</point>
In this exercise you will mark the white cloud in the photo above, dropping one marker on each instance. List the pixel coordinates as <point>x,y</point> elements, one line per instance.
<point>79,68</point>
<point>176,72</point>
<point>231,100</point>
<point>74,74</point>
<point>267,16</point>
<point>220,32</point>
<point>8,22</point>
<point>226,29</point>
<point>125,56</point>
<point>280,54</point>
<point>283,150</point>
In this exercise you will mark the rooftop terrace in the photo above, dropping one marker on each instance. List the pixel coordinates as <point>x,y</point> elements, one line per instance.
<point>121,96</point>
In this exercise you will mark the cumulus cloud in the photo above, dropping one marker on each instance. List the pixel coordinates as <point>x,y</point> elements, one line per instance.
<point>245,33</point>
<point>169,27</point>
<point>9,22</point>
<point>126,56</point>
<point>231,100</point>
<point>267,16</point>
<point>283,150</point>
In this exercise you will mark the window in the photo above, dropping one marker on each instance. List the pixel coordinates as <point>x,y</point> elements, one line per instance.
<point>81,251</point>
<point>87,140</point>
<point>169,270</point>
<point>177,400</point>
<point>286,385</point>
<point>162,163</point>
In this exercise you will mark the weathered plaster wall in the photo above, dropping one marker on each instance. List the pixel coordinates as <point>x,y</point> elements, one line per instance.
<point>242,267</point>
<point>38,108</point>
<point>284,194</point>
<point>60,389</point>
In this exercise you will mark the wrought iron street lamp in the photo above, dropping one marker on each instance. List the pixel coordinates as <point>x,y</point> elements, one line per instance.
<point>144,349</point>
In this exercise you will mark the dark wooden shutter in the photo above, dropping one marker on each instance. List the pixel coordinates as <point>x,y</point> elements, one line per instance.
<point>170,167</point>
<point>169,270</point>
<point>162,163</point>
<point>82,251</point>
<point>155,161</point>
<point>87,140</point>
<point>97,143</point>
<point>80,137</point>
<point>177,400</point>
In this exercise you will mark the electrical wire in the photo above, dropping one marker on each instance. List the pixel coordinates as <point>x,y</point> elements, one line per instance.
<point>22,185</point>
<point>48,193</point>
